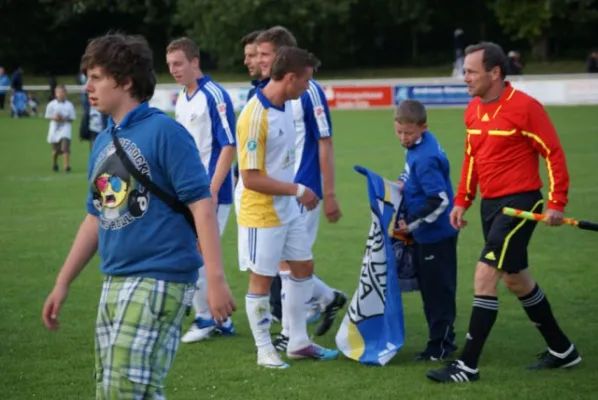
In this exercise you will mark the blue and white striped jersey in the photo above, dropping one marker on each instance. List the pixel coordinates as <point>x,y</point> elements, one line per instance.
<point>312,122</point>
<point>209,117</point>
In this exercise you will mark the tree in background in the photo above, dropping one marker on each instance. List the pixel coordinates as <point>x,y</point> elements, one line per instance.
<point>533,20</point>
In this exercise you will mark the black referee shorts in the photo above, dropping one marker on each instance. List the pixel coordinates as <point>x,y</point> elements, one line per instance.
<point>507,238</point>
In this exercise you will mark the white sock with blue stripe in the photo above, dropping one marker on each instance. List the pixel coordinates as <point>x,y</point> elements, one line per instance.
<point>284,279</point>
<point>257,307</point>
<point>200,297</point>
<point>323,293</point>
<point>299,293</point>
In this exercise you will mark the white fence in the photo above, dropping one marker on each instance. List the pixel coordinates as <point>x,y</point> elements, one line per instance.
<point>569,89</point>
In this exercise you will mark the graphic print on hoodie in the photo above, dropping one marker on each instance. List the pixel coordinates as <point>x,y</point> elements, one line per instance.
<point>139,234</point>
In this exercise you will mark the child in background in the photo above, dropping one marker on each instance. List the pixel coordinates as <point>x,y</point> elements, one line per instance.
<point>32,103</point>
<point>61,114</point>
<point>18,104</point>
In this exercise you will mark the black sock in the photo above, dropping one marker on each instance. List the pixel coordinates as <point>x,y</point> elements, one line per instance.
<point>483,316</point>
<point>275,300</point>
<point>538,310</point>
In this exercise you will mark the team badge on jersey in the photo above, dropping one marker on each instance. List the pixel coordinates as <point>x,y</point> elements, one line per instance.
<point>321,118</point>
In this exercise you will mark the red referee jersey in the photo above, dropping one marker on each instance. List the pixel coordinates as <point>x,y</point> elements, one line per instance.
<point>504,139</point>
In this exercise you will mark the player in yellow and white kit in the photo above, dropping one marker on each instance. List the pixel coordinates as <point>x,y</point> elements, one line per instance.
<point>270,225</point>
<point>314,168</point>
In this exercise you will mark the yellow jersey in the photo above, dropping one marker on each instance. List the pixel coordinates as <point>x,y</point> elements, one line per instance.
<point>265,142</point>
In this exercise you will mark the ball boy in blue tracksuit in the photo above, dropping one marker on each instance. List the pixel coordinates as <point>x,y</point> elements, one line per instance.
<point>428,200</point>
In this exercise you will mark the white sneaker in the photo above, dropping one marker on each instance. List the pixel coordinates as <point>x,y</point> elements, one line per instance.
<point>269,358</point>
<point>201,329</point>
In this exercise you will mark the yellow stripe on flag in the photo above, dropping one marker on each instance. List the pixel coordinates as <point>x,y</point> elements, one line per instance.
<point>355,340</point>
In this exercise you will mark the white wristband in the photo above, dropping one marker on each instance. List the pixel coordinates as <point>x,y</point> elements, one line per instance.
<point>300,190</point>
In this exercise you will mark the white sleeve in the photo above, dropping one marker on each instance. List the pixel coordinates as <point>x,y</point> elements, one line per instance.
<point>50,110</point>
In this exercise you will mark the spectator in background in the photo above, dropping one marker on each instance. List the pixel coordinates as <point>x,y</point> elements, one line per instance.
<point>52,82</point>
<point>18,104</point>
<point>4,85</point>
<point>515,66</point>
<point>592,66</point>
<point>32,103</point>
<point>82,80</point>
<point>17,79</point>
<point>459,44</point>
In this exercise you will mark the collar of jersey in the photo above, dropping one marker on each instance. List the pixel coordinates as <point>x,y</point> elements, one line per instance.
<point>201,82</point>
<point>503,96</point>
<point>256,82</point>
<point>418,141</point>
<point>263,82</point>
<point>265,102</point>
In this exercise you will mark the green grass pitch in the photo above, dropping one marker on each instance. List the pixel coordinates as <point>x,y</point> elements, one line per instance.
<point>41,211</point>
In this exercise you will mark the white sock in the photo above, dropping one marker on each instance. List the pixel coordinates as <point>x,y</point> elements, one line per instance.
<point>323,293</point>
<point>200,297</point>
<point>284,278</point>
<point>257,307</point>
<point>299,292</point>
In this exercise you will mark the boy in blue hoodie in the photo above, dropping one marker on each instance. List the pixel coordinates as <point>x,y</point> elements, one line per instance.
<point>428,200</point>
<point>149,253</point>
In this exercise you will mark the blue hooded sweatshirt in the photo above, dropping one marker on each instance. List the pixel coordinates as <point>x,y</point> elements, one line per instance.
<point>428,192</point>
<point>139,235</point>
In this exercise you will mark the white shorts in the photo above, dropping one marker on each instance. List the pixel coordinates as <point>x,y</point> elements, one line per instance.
<point>312,222</point>
<point>222,213</point>
<point>262,249</point>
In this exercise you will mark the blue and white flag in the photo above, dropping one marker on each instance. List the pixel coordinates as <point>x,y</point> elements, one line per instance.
<point>373,329</point>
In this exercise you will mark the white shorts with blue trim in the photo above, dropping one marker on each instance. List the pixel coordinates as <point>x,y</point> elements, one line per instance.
<point>262,249</point>
<point>312,222</point>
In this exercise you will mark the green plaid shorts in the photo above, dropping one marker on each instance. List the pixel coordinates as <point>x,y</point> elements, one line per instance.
<point>138,331</point>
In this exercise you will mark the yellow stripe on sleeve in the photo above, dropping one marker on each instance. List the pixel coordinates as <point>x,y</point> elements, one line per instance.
<point>468,195</point>
<point>252,132</point>
<point>547,158</point>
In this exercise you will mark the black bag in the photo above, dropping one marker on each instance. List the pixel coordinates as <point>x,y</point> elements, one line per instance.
<point>174,203</point>
<point>404,255</point>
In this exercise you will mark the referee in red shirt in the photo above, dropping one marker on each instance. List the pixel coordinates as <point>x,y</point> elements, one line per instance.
<point>506,131</point>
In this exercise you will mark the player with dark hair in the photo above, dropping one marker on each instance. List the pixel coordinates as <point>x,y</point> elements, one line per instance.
<point>255,73</point>
<point>149,252</point>
<point>506,131</point>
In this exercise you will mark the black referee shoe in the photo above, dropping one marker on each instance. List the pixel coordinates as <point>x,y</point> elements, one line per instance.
<point>547,360</point>
<point>455,372</point>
